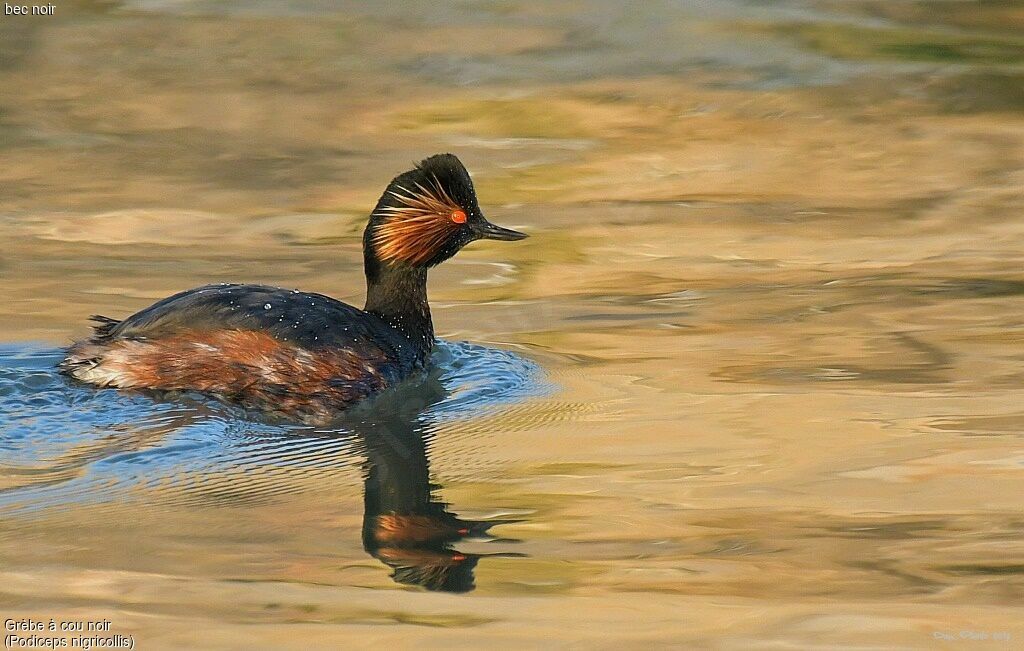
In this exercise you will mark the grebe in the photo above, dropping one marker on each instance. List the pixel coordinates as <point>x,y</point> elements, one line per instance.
<point>299,354</point>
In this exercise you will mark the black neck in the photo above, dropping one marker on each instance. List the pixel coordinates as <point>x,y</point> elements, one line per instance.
<point>398,295</point>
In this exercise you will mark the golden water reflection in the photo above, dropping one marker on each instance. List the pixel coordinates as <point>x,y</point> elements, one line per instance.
<point>774,271</point>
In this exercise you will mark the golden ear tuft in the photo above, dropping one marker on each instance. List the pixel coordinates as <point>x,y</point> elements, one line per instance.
<point>415,230</point>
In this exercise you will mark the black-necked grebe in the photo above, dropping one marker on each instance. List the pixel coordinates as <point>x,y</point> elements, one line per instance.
<point>295,353</point>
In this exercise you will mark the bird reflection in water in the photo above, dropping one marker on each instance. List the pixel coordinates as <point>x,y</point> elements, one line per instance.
<point>404,525</point>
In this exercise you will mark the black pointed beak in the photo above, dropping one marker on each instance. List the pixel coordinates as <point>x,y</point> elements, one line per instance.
<point>485,230</point>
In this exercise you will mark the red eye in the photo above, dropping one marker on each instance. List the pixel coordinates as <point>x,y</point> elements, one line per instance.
<point>458,217</point>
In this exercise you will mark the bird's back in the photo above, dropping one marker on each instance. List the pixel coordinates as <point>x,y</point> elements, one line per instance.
<point>302,354</point>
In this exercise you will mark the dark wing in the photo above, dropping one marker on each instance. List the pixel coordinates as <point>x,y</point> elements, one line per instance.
<point>312,321</point>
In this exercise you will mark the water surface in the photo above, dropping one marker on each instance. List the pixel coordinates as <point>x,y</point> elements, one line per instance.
<point>754,382</point>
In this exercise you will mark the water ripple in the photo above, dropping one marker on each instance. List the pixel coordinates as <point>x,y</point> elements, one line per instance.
<point>65,444</point>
